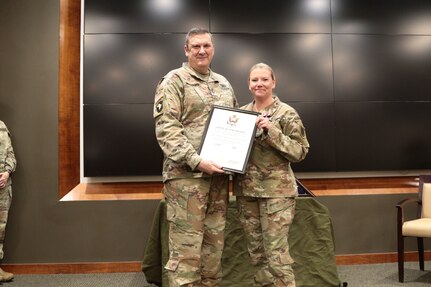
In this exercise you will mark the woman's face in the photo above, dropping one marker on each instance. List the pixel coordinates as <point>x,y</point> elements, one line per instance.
<point>261,83</point>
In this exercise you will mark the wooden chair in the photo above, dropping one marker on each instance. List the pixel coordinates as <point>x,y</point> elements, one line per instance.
<point>419,227</point>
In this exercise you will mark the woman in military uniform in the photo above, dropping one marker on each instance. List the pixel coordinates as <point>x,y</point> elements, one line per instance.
<point>266,191</point>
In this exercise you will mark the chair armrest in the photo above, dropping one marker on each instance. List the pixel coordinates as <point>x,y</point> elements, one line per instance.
<point>400,212</point>
<point>406,201</point>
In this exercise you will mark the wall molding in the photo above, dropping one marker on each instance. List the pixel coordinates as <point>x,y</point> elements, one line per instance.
<point>135,266</point>
<point>73,268</point>
<point>69,96</point>
<point>378,258</point>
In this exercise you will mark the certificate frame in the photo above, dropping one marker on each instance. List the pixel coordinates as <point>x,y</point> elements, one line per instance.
<point>228,137</point>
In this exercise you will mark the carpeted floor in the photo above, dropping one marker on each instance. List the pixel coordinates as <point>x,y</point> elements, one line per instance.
<point>374,275</point>
<point>80,280</point>
<point>385,275</point>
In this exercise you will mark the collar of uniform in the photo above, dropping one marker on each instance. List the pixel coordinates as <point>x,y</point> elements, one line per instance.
<point>206,78</point>
<point>274,106</point>
<point>269,110</point>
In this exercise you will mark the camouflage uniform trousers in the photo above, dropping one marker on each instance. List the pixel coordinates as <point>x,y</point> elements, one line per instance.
<point>196,212</point>
<point>5,202</point>
<point>266,222</point>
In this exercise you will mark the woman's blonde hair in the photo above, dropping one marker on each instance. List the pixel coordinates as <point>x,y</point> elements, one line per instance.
<point>262,66</point>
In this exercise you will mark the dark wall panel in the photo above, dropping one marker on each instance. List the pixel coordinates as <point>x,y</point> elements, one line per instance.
<point>359,80</point>
<point>276,16</point>
<point>126,68</point>
<point>119,140</point>
<point>319,122</point>
<point>301,62</point>
<point>381,17</point>
<point>383,136</point>
<point>382,68</point>
<point>146,16</point>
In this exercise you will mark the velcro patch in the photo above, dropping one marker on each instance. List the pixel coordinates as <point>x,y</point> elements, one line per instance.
<point>159,107</point>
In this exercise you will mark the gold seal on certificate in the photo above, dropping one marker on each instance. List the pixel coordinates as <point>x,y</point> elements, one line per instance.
<point>228,137</point>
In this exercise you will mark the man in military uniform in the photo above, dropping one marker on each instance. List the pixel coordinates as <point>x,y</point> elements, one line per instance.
<point>7,166</point>
<point>195,189</point>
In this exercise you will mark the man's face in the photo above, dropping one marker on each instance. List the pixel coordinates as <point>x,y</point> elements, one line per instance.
<point>200,52</point>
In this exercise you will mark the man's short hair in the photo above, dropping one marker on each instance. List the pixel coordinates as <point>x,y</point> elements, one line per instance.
<point>196,31</point>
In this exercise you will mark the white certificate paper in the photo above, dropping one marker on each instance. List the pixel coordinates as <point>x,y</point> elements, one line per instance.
<point>228,138</point>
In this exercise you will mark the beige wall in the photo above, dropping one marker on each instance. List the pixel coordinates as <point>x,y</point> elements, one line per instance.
<point>40,228</point>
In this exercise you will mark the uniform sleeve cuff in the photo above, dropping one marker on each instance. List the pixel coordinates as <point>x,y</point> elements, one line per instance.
<point>194,161</point>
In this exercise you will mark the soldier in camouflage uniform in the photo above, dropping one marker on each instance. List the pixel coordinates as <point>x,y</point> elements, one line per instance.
<point>195,189</point>
<point>7,166</point>
<point>266,192</point>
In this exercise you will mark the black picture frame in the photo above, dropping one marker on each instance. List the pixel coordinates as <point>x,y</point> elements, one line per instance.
<point>220,136</point>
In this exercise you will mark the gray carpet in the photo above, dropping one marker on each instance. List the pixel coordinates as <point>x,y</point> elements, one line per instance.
<point>385,275</point>
<point>80,280</point>
<point>374,275</point>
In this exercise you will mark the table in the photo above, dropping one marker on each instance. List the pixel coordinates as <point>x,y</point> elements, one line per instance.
<point>311,242</point>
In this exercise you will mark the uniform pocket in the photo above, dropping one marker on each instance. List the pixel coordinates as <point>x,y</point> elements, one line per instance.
<point>176,203</point>
<point>172,264</point>
<point>175,212</point>
<point>278,204</point>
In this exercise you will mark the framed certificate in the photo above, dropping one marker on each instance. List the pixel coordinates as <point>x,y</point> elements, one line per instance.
<point>228,137</point>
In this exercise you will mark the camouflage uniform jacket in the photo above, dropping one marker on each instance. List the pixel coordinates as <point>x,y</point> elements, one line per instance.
<point>7,156</point>
<point>268,172</point>
<point>182,105</point>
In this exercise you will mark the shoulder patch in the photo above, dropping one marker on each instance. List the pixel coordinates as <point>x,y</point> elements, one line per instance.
<point>158,100</point>
<point>159,105</point>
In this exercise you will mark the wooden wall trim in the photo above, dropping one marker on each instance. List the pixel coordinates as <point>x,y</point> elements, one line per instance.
<point>362,186</point>
<point>377,258</point>
<point>69,97</point>
<point>117,191</point>
<point>73,268</point>
<point>135,266</point>
<point>320,187</point>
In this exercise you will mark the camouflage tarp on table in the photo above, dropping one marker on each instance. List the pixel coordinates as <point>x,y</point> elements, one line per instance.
<point>311,240</point>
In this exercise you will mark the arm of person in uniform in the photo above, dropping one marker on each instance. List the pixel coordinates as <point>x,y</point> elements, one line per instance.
<point>211,167</point>
<point>291,140</point>
<point>10,161</point>
<point>170,130</point>
<point>235,101</point>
